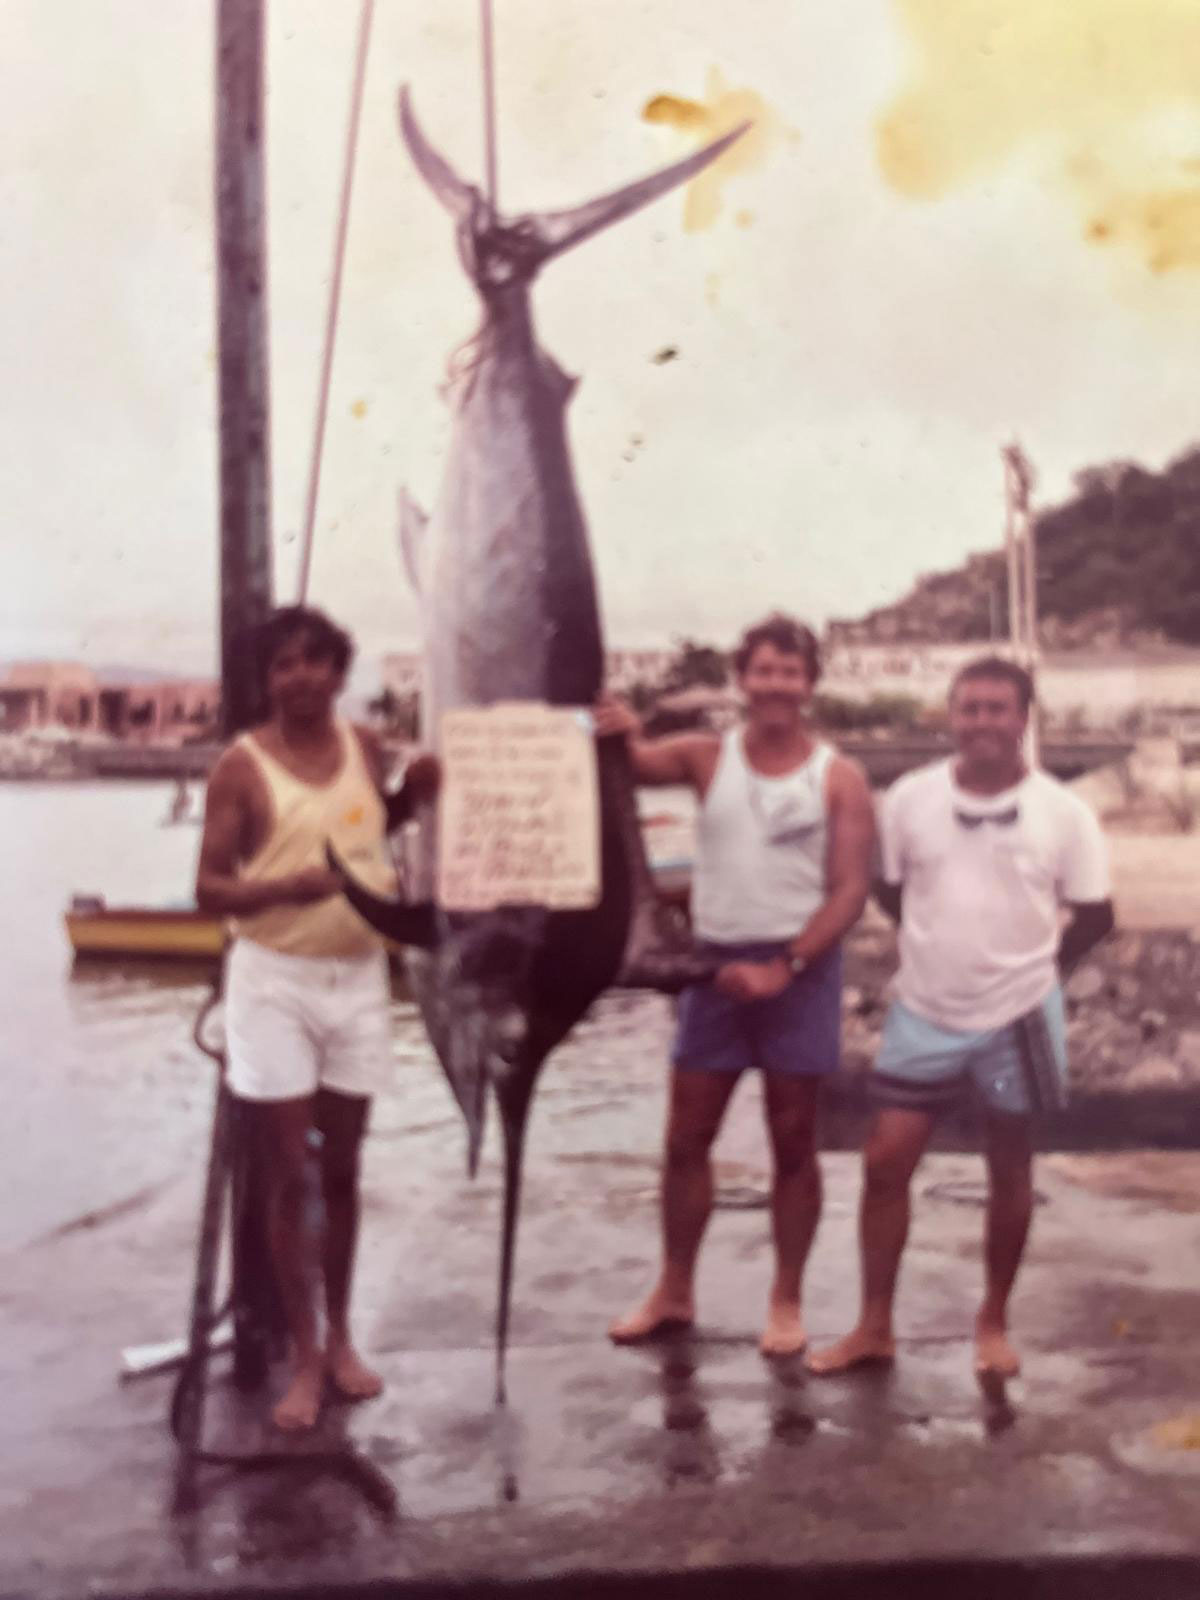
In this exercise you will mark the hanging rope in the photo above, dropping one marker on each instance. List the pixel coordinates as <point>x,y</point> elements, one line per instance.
<point>335,289</point>
<point>339,254</point>
<point>489,102</point>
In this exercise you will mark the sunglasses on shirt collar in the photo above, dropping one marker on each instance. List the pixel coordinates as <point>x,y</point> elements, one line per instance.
<point>1002,819</point>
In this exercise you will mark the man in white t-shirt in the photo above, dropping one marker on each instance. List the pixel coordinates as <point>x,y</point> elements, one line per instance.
<point>980,856</point>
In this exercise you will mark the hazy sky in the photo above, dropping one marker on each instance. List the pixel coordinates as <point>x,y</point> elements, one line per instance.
<point>962,221</point>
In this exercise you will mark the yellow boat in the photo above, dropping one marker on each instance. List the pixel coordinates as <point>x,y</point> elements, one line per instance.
<point>97,929</point>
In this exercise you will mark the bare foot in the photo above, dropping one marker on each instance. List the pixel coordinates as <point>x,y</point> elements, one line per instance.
<point>857,1349</point>
<point>350,1375</point>
<point>994,1355</point>
<point>659,1315</point>
<point>301,1402</point>
<point>784,1334</point>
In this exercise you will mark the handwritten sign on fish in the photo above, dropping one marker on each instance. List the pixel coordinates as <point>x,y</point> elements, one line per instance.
<point>519,821</point>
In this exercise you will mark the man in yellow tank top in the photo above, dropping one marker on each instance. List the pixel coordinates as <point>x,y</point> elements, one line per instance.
<point>306,987</point>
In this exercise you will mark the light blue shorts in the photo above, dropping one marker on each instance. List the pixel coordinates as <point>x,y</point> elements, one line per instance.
<point>1017,1069</point>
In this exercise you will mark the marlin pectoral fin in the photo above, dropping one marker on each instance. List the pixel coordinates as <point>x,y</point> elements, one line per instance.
<point>560,230</point>
<point>666,972</point>
<point>661,953</point>
<point>412,523</point>
<point>401,921</point>
<point>459,197</point>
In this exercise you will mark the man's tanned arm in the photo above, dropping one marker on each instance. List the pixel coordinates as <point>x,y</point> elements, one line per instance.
<point>677,758</point>
<point>1091,921</point>
<point>851,852</point>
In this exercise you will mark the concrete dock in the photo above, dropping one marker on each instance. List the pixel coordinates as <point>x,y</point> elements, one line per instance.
<point>690,1467</point>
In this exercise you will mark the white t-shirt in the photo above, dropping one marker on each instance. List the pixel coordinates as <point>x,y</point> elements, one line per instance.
<point>979,925</point>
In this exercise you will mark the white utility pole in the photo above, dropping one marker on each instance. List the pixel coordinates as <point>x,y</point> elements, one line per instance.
<point>1020,540</point>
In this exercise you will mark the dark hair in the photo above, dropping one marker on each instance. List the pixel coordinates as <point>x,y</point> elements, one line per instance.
<point>325,638</point>
<point>1000,669</point>
<point>787,635</point>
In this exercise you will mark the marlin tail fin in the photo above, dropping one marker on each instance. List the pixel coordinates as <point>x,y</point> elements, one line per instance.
<point>562,230</point>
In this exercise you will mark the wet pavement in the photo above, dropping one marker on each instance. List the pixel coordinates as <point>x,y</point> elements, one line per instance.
<point>685,1461</point>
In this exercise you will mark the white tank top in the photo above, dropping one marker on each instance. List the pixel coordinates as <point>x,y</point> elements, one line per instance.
<point>760,848</point>
<point>348,812</point>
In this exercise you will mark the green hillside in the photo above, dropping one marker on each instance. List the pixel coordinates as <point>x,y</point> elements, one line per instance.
<point>1119,560</point>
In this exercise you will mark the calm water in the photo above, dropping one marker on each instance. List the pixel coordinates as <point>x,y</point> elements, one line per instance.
<point>107,1093</point>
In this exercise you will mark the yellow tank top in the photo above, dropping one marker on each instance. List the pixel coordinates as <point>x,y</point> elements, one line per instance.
<point>348,812</point>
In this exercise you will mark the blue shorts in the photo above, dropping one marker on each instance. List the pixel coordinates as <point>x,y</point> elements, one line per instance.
<point>797,1032</point>
<point>1018,1069</point>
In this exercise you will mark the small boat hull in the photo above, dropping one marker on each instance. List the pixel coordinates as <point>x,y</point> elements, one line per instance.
<point>116,931</point>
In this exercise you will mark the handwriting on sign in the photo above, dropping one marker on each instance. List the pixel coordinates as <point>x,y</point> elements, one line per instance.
<point>518,820</point>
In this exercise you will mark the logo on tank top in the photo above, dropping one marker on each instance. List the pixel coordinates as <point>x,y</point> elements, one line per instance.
<point>787,815</point>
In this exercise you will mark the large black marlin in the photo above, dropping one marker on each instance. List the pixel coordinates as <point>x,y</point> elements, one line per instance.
<point>508,599</point>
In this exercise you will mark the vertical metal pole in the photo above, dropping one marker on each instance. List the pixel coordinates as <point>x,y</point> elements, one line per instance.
<point>1022,577</point>
<point>244,425</point>
<point>1029,544</point>
<point>188,1406</point>
<point>1014,565</point>
<point>245,438</point>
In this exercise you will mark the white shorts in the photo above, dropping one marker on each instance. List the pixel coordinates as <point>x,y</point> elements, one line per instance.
<point>296,1023</point>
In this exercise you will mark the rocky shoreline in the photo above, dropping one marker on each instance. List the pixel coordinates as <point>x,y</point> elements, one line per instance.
<point>1133,1009</point>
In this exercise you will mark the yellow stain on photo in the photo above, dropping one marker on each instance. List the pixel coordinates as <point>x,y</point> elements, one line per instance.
<point>1104,93</point>
<point>704,120</point>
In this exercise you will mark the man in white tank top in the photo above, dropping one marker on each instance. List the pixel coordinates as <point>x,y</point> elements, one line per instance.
<point>306,983</point>
<point>785,841</point>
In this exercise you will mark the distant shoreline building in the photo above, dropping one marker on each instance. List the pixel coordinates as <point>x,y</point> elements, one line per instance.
<point>36,695</point>
<point>1097,688</point>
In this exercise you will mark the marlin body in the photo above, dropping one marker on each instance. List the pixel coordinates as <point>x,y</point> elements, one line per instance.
<point>509,607</point>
